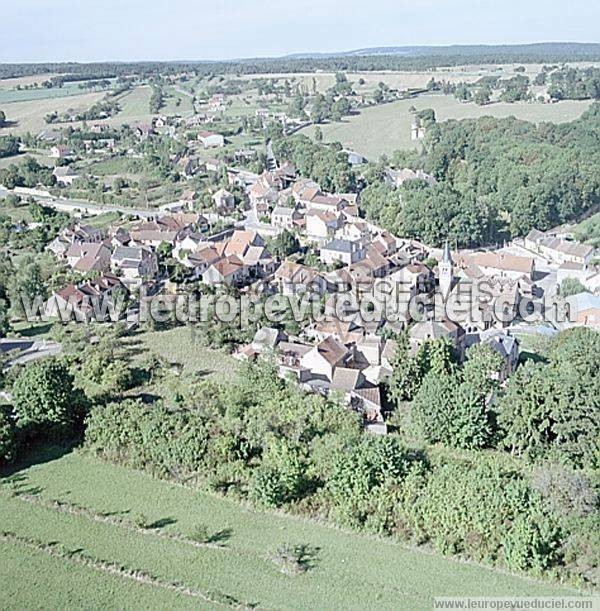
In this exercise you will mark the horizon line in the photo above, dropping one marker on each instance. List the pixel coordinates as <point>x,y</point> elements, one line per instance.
<point>306,54</point>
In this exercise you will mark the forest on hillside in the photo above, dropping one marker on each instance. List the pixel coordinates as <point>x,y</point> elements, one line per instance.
<point>409,58</point>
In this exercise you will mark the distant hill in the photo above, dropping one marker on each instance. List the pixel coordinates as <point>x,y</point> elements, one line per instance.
<point>373,58</point>
<point>541,50</point>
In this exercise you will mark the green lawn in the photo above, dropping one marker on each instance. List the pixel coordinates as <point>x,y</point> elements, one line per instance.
<point>383,129</point>
<point>31,580</point>
<point>178,346</point>
<point>109,167</point>
<point>349,571</point>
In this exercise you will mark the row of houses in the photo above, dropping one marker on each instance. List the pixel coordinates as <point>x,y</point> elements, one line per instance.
<point>558,249</point>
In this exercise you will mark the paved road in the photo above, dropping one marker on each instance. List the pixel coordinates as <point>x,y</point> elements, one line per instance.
<point>183,92</point>
<point>73,205</point>
<point>26,350</point>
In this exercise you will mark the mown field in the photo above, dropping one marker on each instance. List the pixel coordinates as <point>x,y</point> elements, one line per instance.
<point>95,521</point>
<point>178,346</point>
<point>29,115</point>
<point>23,95</point>
<point>383,129</point>
<point>24,81</point>
<point>55,585</point>
<point>403,79</point>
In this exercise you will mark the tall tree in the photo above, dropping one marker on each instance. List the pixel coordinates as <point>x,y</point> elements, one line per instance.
<point>44,398</point>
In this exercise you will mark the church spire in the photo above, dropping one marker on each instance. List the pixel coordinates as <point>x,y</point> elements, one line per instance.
<point>447,257</point>
<point>445,271</point>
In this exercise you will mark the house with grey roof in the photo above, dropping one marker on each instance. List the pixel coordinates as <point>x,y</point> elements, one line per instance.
<point>284,217</point>
<point>64,175</point>
<point>134,264</point>
<point>342,251</point>
<point>507,347</point>
<point>425,330</point>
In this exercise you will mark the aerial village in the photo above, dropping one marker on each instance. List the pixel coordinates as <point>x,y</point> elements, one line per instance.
<point>261,227</point>
<point>334,250</point>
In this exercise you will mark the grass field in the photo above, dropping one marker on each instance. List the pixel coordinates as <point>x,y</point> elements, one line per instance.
<point>104,220</point>
<point>185,105</point>
<point>11,83</point>
<point>383,129</point>
<point>42,94</point>
<point>108,167</point>
<point>348,571</point>
<point>178,346</point>
<point>396,80</point>
<point>404,79</point>
<point>30,115</point>
<point>6,161</point>
<point>17,159</point>
<point>54,585</point>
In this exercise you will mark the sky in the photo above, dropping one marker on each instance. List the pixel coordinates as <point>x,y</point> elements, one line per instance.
<point>127,30</point>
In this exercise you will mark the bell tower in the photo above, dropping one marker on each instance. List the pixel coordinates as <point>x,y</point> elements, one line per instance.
<point>446,271</point>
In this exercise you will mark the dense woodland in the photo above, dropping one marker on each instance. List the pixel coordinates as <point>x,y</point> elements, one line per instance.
<point>496,179</point>
<point>407,58</point>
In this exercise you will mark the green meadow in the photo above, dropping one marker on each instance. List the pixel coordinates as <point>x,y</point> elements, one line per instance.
<point>71,538</point>
<point>380,130</point>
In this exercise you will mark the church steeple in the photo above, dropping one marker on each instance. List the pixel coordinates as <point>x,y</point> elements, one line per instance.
<point>446,272</point>
<point>447,257</point>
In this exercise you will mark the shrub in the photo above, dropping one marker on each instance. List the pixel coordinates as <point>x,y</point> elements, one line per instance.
<point>293,559</point>
<point>8,441</point>
<point>568,492</point>
<point>200,534</point>
<point>44,399</point>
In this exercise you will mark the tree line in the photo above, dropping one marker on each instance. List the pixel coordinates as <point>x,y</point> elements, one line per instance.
<point>409,58</point>
<point>496,179</point>
<point>503,476</point>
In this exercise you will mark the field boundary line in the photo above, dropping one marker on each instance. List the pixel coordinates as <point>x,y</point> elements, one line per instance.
<point>57,550</point>
<point>113,520</point>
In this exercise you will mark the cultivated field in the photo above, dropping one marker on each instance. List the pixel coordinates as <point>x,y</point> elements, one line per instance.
<point>383,129</point>
<point>23,81</point>
<point>403,79</point>
<point>30,115</point>
<point>96,541</point>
